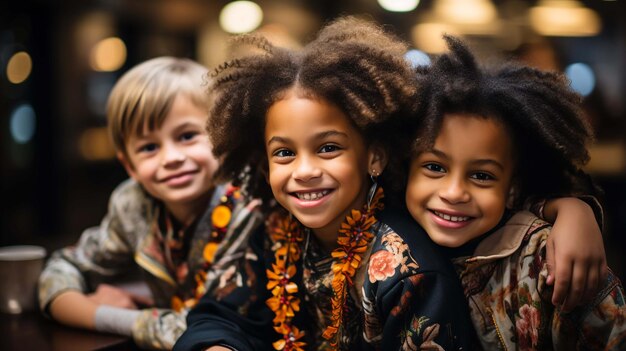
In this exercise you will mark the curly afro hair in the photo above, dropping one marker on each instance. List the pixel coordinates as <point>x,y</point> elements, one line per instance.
<point>541,113</point>
<point>353,64</point>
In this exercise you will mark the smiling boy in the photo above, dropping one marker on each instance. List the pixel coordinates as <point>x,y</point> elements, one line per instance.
<point>170,221</point>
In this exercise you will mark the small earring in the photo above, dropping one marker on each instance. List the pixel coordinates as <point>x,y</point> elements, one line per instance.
<point>372,191</point>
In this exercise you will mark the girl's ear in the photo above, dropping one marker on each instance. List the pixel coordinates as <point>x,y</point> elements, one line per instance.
<point>128,166</point>
<point>512,195</point>
<point>377,160</point>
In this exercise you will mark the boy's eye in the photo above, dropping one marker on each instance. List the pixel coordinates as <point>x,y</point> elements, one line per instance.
<point>433,167</point>
<point>283,153</point>
<point>482,176</point>
<point>329,148</point>
<point>147,148</point>
<point>188,136</point>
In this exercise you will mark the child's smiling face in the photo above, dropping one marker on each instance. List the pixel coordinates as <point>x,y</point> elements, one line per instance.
<point>318,163</point>
<point>458,189</point>
<point>174,163</point>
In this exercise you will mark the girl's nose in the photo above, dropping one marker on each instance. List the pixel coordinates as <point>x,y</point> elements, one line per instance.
<point>455,191</point>
<point>306,170</point>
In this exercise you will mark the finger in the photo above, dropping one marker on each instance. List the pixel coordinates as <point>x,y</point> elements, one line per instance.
<point>141,300</point>
<point>577,288</point>
<point>592,287</point>
<point>562,281</point>
<point>550,265</point>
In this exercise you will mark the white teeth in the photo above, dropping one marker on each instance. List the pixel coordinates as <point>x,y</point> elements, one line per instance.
<point>311,196</point>
<point>451,218</point>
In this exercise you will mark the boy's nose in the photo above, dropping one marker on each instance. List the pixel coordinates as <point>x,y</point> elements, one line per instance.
<point>172,155</point>
<point>306,170</point>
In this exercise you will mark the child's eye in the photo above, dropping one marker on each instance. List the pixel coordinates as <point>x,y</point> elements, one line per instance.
<point>283,153</point>
<point>482,176</point>
<point>148,148</point>
<point>188,136</point>
<point>433,167</point>
<point>329,148</point>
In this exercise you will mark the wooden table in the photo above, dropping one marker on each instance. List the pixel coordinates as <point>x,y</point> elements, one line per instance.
<point>31,331</point>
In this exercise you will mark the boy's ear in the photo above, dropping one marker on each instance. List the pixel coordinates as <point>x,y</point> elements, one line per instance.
<point>128,166</point>
<point>377,160</point>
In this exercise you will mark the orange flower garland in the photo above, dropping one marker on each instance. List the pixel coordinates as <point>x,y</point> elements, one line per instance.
<point>287,236</point>
<point>220,219</point>
<point>354,237</point>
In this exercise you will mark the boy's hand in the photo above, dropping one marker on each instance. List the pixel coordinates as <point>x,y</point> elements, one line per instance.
<point>575,254</point>
<point>110,295</point>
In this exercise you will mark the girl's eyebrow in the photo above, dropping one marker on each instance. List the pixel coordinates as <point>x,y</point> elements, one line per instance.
<point>318,136</point>
<point>477,162</point>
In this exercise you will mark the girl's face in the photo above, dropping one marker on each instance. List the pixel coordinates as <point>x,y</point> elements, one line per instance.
<point>318,163</point>
<point>458,190</point>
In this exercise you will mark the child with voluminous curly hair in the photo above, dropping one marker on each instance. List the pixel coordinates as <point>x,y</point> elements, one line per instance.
<point>487,140</point>
<point>326,273</point>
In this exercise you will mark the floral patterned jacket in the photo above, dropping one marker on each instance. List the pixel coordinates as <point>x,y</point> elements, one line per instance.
<point>505,284</point>
<point>128,239</point>
<point>406,297</point>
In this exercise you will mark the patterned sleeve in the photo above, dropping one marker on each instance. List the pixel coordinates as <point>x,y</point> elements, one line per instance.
<point>158,329</point>
<point>536,206</point>
<point>102,252</point>
<point>600,325</point>
<point>237,318</point>
<point>413,307</point>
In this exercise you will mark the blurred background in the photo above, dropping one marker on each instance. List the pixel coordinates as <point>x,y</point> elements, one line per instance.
<point>59,60</point>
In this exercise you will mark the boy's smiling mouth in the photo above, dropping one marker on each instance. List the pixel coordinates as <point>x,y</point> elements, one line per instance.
<point>178,177</point>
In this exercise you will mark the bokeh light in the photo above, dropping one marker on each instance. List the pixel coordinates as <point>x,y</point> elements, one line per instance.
<point>23,123</point>
<point>582,78</point>
<point>417,58</point>
<point>398,5</point>
<point>108,55</point>
<point>241,17</point>
<point>19,67</point>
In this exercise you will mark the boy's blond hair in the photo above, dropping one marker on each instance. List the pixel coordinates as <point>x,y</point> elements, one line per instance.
<point>143,96</point>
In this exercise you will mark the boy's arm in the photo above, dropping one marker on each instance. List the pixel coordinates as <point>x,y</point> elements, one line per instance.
<point>101,253</point>
<point>575,251</point>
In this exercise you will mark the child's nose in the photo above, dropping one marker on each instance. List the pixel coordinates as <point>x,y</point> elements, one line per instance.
<point>172,156</point>
<point>455,191</point>
<point>306,169</point>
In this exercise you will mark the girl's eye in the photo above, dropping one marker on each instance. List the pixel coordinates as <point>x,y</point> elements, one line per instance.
<point>187,136</point>
<point>329,148</point>
<point>482,176</point>
<point>433,167</point>
<point>283,153</point>
<point>148,148</point>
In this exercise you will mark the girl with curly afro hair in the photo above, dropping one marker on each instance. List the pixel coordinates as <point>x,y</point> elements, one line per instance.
<point>310,130</point>
<point>486,140</point>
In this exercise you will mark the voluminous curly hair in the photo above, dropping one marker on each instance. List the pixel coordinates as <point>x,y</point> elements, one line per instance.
<point>352,64</point>
<point>540,112</point>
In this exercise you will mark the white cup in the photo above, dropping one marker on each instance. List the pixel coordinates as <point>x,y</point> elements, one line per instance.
<point>20,267</point>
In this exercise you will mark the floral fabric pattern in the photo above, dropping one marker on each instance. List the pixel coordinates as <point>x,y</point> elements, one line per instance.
<point>406,296</point>
<point>510,302</point>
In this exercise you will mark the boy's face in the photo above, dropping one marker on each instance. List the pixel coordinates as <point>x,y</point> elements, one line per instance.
<point>174,163</point>
<point>318,163</point>
<point>458,190</point>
